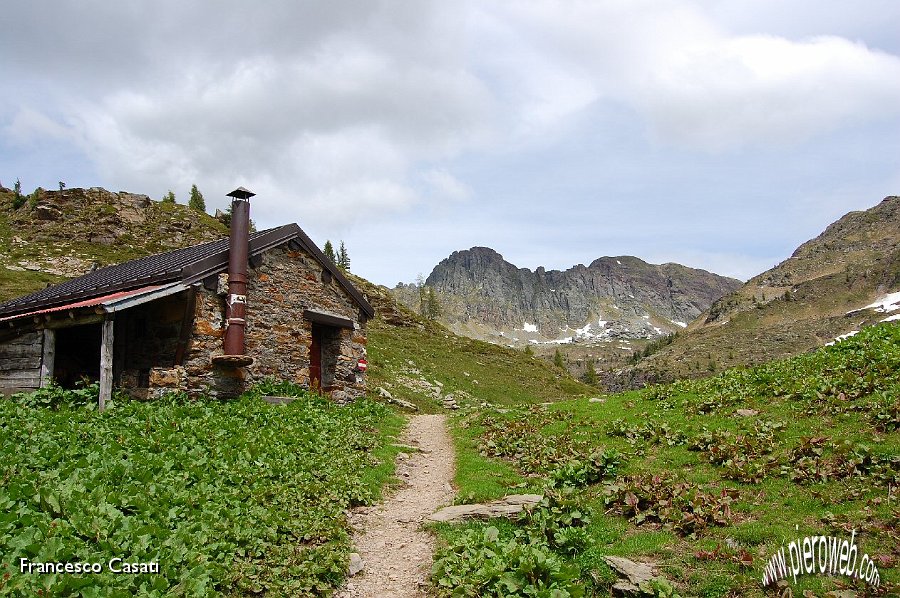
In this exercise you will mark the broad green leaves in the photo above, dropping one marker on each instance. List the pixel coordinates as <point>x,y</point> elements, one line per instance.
<point>229,497</point>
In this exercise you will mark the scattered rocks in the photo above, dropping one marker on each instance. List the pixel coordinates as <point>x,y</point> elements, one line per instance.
<point>414,381</point>
<point>634,573</point>
<point>63,265</point>
<point>407,448</point>
<point>747,412</point>
<point>391,399</point>
<point>47,212</point>
<point>509,506</point>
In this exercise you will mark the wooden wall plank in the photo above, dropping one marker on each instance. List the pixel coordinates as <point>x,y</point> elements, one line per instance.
<point>18,387</point>
<point>48,359</point>
<point>20,375</point>
<point>14,351</point>
<point>106,364</point>
<point>19,363</point>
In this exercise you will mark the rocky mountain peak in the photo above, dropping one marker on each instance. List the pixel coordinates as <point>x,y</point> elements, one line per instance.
<point>623,297</point>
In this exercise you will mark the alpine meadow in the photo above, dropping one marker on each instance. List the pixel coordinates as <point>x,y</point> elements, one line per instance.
<point>450,299</point>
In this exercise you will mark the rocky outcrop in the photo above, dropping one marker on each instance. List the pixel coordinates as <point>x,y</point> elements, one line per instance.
<point>613,297</point>
<point>68,232</point>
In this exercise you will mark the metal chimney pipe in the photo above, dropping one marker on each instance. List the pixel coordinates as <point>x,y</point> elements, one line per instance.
<point>236,303</point>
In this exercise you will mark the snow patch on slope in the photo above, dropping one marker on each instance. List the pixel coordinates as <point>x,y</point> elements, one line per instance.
<point>838,339</point>
<point>886,304</point>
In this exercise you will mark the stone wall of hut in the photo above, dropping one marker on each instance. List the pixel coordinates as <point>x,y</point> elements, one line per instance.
<point>283,282</point>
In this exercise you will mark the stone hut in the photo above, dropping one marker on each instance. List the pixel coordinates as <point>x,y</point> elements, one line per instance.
<point>158,323</point>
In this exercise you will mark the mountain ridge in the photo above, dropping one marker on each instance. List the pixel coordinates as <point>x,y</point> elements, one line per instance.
<point>615,297</point>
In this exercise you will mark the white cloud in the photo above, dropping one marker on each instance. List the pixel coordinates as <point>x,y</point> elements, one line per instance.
<point>445,186</point>
<point>342,112</point>
<point>696,84</point>
<point>762,89</point>
<point>29,125</point>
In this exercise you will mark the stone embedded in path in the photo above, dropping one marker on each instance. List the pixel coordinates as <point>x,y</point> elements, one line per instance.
<point>508,506</point>
<point>356,564</point>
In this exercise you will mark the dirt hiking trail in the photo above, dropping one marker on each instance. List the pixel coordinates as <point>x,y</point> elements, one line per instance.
<point>396,554</point>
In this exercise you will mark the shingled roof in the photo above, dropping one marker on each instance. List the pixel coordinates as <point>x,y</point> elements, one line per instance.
<point>187,266</point>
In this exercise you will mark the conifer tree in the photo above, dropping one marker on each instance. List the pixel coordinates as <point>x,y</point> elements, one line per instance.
<point>558,360</point>
<point>590,374</point>
<point>328,250</point>
<point>169,197</point>
<point>196,202</point>
<point>19,199</point>
<point>343,259</point>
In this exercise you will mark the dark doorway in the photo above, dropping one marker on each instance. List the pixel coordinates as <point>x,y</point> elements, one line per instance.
<point>315,359</point>
<point>77,355</point>
<point>323,353</point>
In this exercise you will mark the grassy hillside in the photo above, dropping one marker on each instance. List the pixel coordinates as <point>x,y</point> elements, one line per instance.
<point>55,235</point>
<point>410,357</point>
<point>706,479</point>
<point>801,304</point>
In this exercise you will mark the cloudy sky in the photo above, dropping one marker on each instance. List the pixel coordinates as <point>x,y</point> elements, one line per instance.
<point>718,134</point>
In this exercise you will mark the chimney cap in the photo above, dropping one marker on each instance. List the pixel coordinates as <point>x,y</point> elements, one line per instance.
<point>241,193</point>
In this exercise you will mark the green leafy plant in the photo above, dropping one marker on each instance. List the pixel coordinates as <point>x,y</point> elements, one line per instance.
<point>654,432</point>
<point>597,466</point>
<point>480,563</point>
<point>659,588</point>
<point>230,498</point>
<point>53,396</point>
